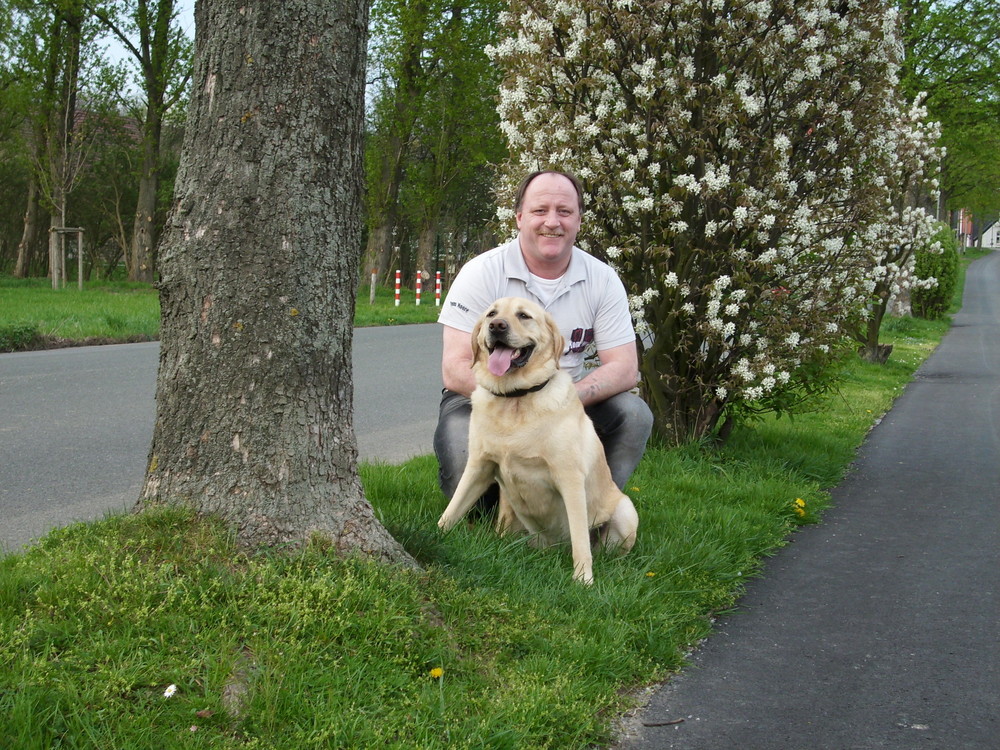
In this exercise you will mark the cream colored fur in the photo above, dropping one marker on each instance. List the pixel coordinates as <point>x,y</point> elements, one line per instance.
<point>540,447</point>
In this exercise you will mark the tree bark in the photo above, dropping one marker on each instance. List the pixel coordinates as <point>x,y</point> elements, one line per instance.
<point>141,263</point>
<point>28,249</point>
<point>871,350</point>
<point>425,246</point>
<point>258,266</point>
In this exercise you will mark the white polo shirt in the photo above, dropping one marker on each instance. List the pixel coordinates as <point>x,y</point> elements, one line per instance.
<point>589,304</point>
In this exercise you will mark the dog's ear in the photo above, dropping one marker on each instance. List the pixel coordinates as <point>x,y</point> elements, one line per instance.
<point>476,348</point>
<point>558,342</point>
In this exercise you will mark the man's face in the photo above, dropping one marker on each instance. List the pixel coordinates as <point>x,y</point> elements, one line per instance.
<point>548,223</point>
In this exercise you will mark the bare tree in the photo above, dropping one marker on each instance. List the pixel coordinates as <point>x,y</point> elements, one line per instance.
<point>149,32</point>
<point>258,265</point>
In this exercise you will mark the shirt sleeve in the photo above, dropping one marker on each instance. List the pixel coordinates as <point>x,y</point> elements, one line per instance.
<point>613,324</point>
<point>468,297</point>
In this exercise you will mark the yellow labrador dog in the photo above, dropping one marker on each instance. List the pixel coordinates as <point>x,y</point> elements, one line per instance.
<point>530,434</point>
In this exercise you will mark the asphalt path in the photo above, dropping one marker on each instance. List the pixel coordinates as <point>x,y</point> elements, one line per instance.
<point>880,627</point>
<point>76,424</point>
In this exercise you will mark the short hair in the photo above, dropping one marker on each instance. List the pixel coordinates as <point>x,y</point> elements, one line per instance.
<point>523,187</point>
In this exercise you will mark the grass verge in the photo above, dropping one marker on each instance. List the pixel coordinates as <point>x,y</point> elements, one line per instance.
<point>35,316</point>
<point>154,630</point>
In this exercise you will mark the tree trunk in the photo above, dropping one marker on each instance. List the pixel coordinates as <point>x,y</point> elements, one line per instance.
<point>258,266</point>
<point>28,249</point>
<point>141,264</point>
<point>871,350</point>
<point>380,254</point>
<point>425,247</point>
<point>57,271</point>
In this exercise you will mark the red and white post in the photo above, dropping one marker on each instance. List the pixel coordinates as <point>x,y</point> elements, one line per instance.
<point>420,284</point>
<point>398,279</point>
<point>437,289</point>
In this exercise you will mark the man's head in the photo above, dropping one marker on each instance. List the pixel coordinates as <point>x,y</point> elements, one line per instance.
<point>519,195</point>
<point>548,206</point>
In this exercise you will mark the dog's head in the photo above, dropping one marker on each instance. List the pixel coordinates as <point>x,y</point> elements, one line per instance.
<point>515,345</point>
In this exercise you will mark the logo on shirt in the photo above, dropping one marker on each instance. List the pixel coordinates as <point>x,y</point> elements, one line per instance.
<point>580,339</point>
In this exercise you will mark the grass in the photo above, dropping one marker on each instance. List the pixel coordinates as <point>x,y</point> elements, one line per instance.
<point>33,315</point>
<point>112,311</point>
<point>489,645</point>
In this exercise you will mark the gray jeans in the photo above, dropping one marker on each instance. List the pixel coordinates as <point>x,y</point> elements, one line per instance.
<point>623,423</point>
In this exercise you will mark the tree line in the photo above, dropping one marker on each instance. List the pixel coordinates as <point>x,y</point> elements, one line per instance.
<point>92,142</point>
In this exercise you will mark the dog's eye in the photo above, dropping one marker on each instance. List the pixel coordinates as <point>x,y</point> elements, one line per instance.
<point>523,315</point>
<point>491,314</point>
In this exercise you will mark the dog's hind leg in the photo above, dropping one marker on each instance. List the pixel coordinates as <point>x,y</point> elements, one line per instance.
<point>620,531</point>
<point>507,520</point>
<point>476,478</point>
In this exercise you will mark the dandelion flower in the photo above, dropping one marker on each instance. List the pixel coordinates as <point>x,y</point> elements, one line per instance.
<point>437,673</point>
<point>169,692</point>
<point>650,574</point>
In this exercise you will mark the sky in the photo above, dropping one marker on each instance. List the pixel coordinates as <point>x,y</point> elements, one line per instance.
<point>185,17</point>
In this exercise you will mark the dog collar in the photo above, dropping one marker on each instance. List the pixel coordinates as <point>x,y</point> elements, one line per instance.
<point>521,391</point>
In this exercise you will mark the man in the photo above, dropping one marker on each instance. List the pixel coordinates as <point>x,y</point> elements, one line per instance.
<point>588,302</point>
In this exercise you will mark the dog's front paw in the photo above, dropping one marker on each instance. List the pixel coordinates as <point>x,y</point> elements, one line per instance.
<point>584,576</point>
<point>445,522</point>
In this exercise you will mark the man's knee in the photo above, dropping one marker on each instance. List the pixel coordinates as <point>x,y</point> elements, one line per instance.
<point>451,440</point>
<point>623,414</point>
<point>624,424</point>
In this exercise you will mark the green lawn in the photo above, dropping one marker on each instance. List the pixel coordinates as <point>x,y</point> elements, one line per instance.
<point>33,315</point>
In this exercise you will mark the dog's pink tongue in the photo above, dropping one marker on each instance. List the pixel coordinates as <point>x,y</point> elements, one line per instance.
<point>500,359</point>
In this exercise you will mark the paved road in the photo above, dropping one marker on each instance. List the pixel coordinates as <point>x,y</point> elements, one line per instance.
<point>76,424</point>
<point>879,628</point>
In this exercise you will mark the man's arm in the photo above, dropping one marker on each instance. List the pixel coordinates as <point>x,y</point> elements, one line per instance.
<point>618,372</point>
<point>456,361</point>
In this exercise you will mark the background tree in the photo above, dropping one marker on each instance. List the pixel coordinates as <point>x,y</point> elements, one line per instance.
<point>14,168</point>
<point>46,41</point>
<point>908,228</point>
<point>953,56</point>
<point>432,131</point>
<point>734,185</point>
<point>59,110</point>
<point>162,54</point>
<point>258,267</point>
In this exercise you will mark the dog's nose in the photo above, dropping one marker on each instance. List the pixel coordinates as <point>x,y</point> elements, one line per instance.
<point>498,325</point>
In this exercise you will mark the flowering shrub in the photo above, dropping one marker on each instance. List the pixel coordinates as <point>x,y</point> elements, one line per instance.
<point>938,260</point>
<point>911,173</point>
<point>734,156</point>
